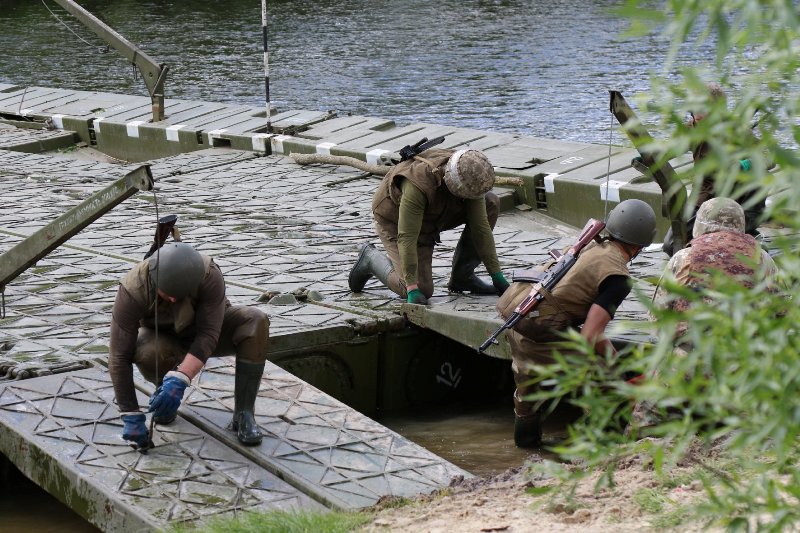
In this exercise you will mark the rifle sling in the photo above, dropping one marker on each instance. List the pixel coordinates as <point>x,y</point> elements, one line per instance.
<point>551,299</point>
<point>427,162</point>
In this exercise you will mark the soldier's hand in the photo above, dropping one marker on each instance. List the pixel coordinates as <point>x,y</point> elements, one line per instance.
<point>135,430</point>
<point>165,401</point>
<point>500,282</point>
<point>415,296</point>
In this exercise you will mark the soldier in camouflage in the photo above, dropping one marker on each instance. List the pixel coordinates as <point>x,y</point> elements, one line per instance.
<point>719,244</point>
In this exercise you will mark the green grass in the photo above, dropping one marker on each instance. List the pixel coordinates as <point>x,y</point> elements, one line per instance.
<point>651,501</point>
<point>673,518</point>
<point>284,522</point>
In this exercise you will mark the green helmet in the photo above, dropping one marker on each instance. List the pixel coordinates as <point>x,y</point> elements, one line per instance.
<point>177,269</point>
<point>632,221</point>
<point>469,174</point>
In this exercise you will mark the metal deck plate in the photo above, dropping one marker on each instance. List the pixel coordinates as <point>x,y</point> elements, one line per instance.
<point>316,442</point>
<point>63,431</point>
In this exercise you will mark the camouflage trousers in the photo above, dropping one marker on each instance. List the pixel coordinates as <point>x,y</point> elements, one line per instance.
<point>245,332</point>
<point>525,353</point>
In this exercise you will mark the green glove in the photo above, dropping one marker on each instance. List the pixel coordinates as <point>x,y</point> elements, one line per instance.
<point>745,165</point>
<point>500,282</point>
<point>415,296</point>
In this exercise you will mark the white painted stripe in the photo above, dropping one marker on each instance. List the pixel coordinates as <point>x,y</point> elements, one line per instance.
<point>374,156</point>
<point>549,186</point>
<point>260,141</point>
<point>133,128</point>
<point>215,134</point>
<point>24,112</point>
<point>172,132</point>
<point>96,124</point>
<point>58,121</point>
<point>610,191</point>
<point>325,148</point>
<point>277,143</point>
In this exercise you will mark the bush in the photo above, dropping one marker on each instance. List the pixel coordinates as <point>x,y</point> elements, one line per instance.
<point>736,390</point>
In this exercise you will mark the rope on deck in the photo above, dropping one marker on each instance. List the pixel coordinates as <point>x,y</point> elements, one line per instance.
<point>380,170</point>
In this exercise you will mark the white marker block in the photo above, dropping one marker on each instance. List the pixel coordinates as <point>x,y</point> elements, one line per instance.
<point>549,186</point>
<point>133,128</point>
<point>610,191</point>
<point>374,156</point>
<point>260,141</point>
<point>172,132</point>
<point>325,148</point>
<point>58,121</point>
<point>277,143</point>
<point>215,134</point>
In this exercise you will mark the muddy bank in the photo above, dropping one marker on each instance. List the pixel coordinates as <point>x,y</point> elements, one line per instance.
<point>508,501</point>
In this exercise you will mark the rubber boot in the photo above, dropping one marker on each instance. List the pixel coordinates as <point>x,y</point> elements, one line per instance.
<point>528,431</point>
<point>465,261</point>
<point>371,262</point>
<point>248,380</point>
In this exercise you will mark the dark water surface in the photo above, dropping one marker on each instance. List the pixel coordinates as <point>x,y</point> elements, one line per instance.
<point>539,68</point>
<point>536,67</point>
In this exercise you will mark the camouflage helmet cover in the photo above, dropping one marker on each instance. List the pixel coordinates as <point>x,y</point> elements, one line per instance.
<point>632,221</point>
<point>469,174</point>
<point>177,269</point>
<point>718,214</point>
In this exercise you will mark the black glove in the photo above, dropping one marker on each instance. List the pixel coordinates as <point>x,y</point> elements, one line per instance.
<point>135,430</point>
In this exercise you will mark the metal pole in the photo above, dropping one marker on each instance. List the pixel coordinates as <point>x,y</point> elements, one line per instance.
<point>266,61</point>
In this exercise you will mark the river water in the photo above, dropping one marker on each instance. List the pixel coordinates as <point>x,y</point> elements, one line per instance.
<point>538,67</point>
<point>535,67</point>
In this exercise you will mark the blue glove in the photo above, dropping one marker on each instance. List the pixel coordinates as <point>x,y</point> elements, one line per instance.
<point>745,165</point>
<point>500,282</point>
<point>415,296</point>
<point>165,401</point>
<point>135,430</point>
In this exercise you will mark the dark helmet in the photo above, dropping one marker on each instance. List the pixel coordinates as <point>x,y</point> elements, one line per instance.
<point>469,174</point>
<point>632,221</point>
<point>180,269</point>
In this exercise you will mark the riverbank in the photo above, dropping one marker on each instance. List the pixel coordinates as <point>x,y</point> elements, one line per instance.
<point>512,502</point>
<point>520,500</point>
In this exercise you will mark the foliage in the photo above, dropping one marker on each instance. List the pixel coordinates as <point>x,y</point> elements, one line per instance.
<point>284,522</point>
<point>733,392</point>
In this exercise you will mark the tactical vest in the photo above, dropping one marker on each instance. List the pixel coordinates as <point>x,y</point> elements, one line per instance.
<point>569,302</point>
<point>723,251</point>
<point>426,172</point>
<point>177,316</point>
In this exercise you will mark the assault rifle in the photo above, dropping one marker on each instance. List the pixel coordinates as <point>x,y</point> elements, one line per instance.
<point>410,150</point>
<point>549,280</point>
<point>166,227</point>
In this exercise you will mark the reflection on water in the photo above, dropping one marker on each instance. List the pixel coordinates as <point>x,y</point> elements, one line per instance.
<point>24,508</point>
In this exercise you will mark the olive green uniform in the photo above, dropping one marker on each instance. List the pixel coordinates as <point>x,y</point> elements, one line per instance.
<point>413,205</point>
